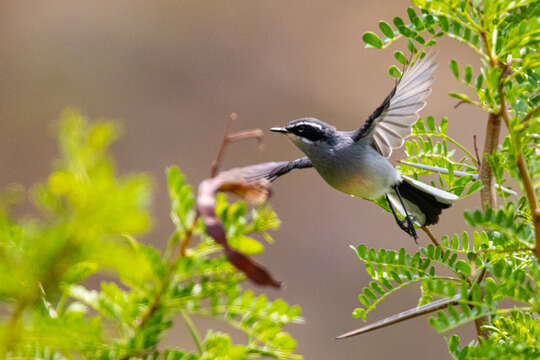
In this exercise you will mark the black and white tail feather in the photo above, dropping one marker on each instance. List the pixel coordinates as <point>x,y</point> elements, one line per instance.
<point>424,202</point>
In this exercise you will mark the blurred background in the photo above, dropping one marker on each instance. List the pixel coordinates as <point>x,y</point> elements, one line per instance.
<point>171,71</point>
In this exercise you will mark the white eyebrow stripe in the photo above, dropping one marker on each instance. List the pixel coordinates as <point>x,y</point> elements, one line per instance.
<point>309,124</point>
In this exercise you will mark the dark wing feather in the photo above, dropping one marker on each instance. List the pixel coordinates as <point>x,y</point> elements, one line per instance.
<point>272,170</point>
<point>390,124</point>
<point>370,122</point>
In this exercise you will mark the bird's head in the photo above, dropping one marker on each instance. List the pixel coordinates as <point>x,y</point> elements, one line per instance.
<point>309,134</point>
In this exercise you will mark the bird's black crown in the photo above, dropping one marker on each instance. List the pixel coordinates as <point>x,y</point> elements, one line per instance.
<point>310,129</point>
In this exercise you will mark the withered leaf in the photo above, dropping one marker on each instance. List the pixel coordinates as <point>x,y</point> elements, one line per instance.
<point>255,192</point>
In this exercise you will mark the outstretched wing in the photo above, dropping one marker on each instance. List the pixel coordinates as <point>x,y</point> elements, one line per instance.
<point>391,122</point>
<point>272,170</point>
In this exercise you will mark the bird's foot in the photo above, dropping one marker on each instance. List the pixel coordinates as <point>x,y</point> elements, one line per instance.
<point>407,225</point>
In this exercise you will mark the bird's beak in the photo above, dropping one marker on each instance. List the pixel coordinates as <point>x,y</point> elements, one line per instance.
<point>279,130</point>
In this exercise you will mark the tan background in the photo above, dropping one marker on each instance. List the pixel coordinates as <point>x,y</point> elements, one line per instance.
<point>172,71</point>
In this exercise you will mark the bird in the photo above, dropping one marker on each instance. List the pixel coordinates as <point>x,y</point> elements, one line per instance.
<point>356,162</point>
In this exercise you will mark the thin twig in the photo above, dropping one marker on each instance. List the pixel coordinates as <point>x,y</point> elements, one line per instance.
<point>492,60</point>
<point>229,137</point>
<point>475,143</point>
<point>528,117</point>
<point>431,236</point>
<point>459,103</point>
<point>193,331</point>
<point>184,243</point>
<point>165,282</point>
<point>502,251</point>
<point>414,313</point>
<point>141,321</point>
<point>224,141</point>
<point>456,173</point>
<point>480,277</point>
<point>479,321</point>
<point>402,316</point>
<point>470,102</point>
<point>525,177</point>
<point>246,134</point>
<point>449,139</point>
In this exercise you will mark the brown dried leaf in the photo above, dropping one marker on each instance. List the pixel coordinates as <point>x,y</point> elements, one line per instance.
<point>255,192</point>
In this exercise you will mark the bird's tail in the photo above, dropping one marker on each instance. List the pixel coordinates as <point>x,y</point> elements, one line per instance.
<point>423,201</point>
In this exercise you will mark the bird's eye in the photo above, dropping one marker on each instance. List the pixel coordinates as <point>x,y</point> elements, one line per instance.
<point>312,133</point>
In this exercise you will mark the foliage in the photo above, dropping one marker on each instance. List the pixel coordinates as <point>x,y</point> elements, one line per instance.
<point>85,228</point>
<point>475,271</point>
<point>514,336</point>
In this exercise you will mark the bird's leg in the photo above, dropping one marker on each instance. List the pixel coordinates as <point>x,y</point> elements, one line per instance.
<point>405,224</point>
<point>401,223</point>
<point>398,221</point>
<point>408,218</point>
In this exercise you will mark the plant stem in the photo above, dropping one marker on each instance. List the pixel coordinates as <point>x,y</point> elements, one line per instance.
<point>530,114</point>
<point>12,330</point>
<point>184,243</point>
<point>215,165</point>
<point>402,316</point>
<point>193,331</point>
<point>479,321</point>
<point>493,128</point>
<point>524,172</point>
<point>503,251</point>
<point>155,303</point>
<point>458,173</point>
<point>431,236</point>
<point>228,138</point>
<point>487,193</point>
<point>533,203</point>
<point>449,139</point>
<point>492,60</point>
<point>478,161</point>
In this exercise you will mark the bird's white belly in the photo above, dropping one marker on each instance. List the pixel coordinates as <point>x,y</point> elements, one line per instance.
<point>367,187</point>
<point>368,177</point>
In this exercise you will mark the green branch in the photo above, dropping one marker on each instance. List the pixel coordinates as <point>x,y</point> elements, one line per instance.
<point>448,138</point>
<point>193,331</point>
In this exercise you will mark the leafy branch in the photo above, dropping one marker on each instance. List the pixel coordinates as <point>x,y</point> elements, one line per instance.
<point>89,221</point>
<point>500,261</point>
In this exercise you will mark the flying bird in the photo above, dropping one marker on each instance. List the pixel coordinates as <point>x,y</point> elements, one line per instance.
<point>356,162</point>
